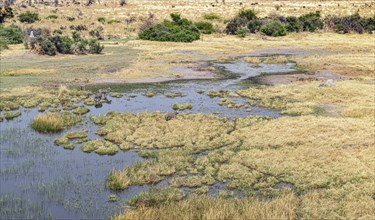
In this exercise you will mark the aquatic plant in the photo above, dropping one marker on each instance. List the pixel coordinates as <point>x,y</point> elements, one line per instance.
<point>100,147</point>
<point>157,197</point>
<point>11,115</point>
<point>53,122</point>
<point>112,198</point>
<point>81,110</point>
<point>99,120</point>
<point>89,101</point>
<point>149,94</point>
<point>9,105</point>
<point>174,95</point>
<point>182,107</point>
<point>116,95</point>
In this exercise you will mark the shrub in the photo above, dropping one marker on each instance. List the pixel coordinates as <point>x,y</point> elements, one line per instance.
<point>293,24</point>
<point>80,27</point>
<point>3,43</point>
<point>70,18</point>
<point>241,20</point>
<point>5,13</point>
<point>235,24</point>
<point>28,17</point>
<point>241,32</point>
<point>101,20</point>
<point>254,25</point>
<point>249,14</point>
<point>311,22</point>
<point>347,24</point>
<point>97,33</point>
<point>178,30</point>
<point>48,47</point>
<point>63,44</point>
<point>57,31</point>
<point>12,34</point>
<point>95,47</point>
<point>368,24</point>
<point>205,27</point>
<point>52,17</point>
<point>274,28</point>
<point>211,16</point>
<point>113,21</point>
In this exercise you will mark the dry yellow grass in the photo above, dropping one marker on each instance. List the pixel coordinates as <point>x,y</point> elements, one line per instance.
<point>207,208</point>
<point>353,98</point>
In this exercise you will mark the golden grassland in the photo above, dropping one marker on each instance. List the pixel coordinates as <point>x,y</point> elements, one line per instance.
<point>351,98</point>
<point>194,10</point>
<point>204,207</point>
<point>349,55</point>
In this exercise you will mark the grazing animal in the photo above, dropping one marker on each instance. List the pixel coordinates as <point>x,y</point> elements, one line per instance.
<point>170,115</point>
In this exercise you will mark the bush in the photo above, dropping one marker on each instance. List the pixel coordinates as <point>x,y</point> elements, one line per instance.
<point>101,20</point>
<point>275,29</point>
<point>113,21</point>
<point>241,32</point>
<point>178,30</point>
<point>52,17</point>
<point>70,18</point>
<point>11,34</point>
<point>211,16</point>
<point>5,13</point>
<point>3,43</point>
<point>249,14</point>
<point>63,44</point>
<point>95,47</point>
<point>28,17</point>
<point>311,22</point>
<point>254,25</point>
<point>235,24</point>
<point>240,21</point>
<point>48,47</point>
<point>353,23</point>
<point>293,24</point>
<point>205,27</point>
<point>97,33</point>
<point>80,27</point>
<point>368,24</point>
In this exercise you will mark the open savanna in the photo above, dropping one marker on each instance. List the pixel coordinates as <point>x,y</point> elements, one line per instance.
<point>349,55</point>
<point>138,11</point>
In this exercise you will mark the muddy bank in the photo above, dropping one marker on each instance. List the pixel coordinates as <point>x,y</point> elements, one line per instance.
<point>282,79</point>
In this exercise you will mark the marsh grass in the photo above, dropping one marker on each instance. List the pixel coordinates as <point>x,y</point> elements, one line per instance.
<point>100,147</point>
<point>254,156</point>
<point>156,197</point>
<point>205,207</point>
<point>354,98</point>
<point>54,122</point>
<point>98,120</point>
<point>182,107</point>
<point>81,110</point>
<point>9,105</point>
<point>11,115</point>
<point>174,95</point>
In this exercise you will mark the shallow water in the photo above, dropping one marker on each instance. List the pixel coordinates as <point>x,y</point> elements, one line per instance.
<point>42,181</point>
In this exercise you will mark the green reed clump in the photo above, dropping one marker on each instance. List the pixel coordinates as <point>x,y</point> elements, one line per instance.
<point>54,122</point>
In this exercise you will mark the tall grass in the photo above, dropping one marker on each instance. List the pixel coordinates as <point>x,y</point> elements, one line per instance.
<point>204,207</point>
<point>53,122</point>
